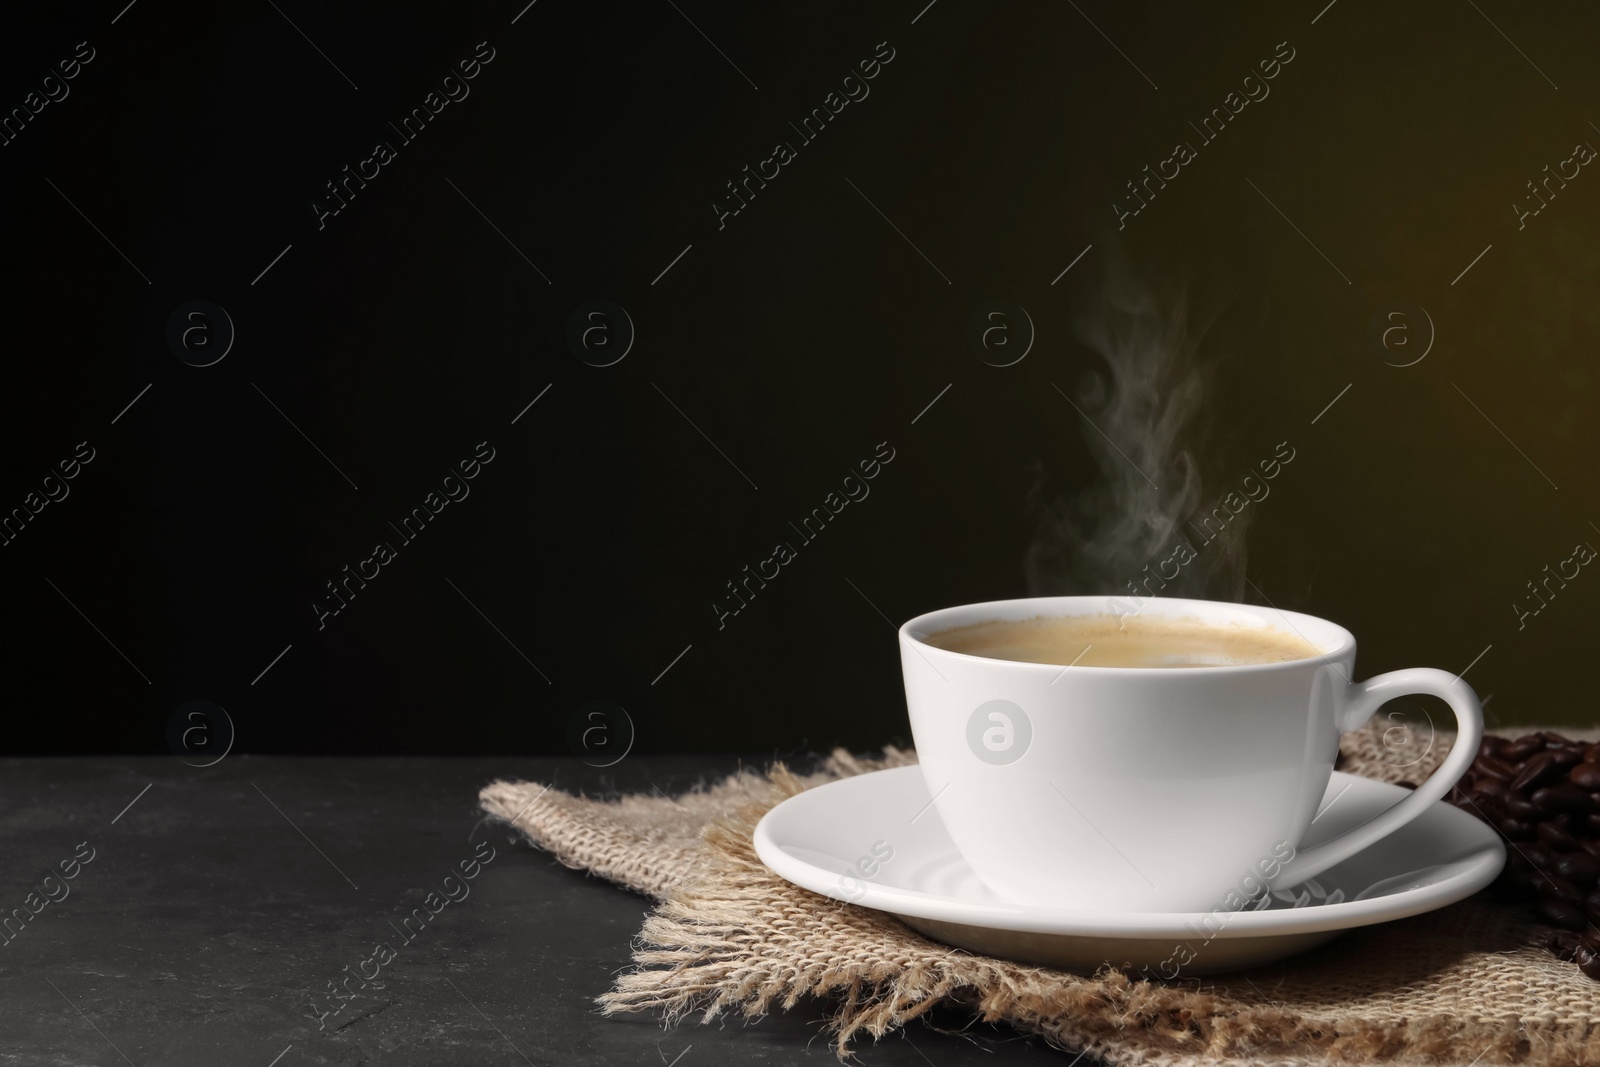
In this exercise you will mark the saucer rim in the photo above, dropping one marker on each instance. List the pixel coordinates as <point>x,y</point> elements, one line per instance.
<point>1481,866</point>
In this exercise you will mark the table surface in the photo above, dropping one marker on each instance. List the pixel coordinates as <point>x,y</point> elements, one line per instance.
<point>220,901</point>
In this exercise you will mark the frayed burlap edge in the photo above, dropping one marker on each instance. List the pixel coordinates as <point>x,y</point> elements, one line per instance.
<point>730,937</point>
<point>647,842</point>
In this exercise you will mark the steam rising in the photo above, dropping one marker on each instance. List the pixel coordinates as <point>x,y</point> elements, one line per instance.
<point>1147,402</point>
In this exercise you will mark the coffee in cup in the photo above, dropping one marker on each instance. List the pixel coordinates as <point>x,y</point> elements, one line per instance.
<point>1084,758</point>
<point>1119,641</point>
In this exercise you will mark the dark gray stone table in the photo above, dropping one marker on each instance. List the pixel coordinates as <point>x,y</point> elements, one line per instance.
<point>220,902</point>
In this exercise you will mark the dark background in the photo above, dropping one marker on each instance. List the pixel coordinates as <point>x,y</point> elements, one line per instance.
<point>382,348</point>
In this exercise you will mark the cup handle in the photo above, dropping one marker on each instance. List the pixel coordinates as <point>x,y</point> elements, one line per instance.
<point>1362,699</point>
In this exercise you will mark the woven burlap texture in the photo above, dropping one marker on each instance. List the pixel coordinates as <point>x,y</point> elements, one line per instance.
<point>1471,983</point>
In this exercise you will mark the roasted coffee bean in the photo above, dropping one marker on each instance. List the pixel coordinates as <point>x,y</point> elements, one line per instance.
<point>1579,868</point>
<point>1485,807</point>
<point>1565,757</point>
<point>1522,748</point>
<point>1486,777</point>
<point>1553,886</point>
<point>1551,835</point>
<point>1542,792</point>
<point>1564,796</point>
<point>1563,944</point>
<point>1501,790</point>
<point>1536,772</point>
<point>1520,807</point>
<point>1568,823</point>
<point>1563,914</point>
<point>1494,767</point>
<point>1516,829</point>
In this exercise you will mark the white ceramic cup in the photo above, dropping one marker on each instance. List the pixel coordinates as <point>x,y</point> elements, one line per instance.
<point>1156,789</point>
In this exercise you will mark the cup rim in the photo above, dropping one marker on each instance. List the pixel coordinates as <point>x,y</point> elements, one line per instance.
<point>1343,644</point>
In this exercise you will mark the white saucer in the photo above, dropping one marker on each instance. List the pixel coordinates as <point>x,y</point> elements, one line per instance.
<point>825,838</point>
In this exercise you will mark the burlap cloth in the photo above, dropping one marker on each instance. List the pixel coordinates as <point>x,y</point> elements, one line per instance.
<point>1471,983</point>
